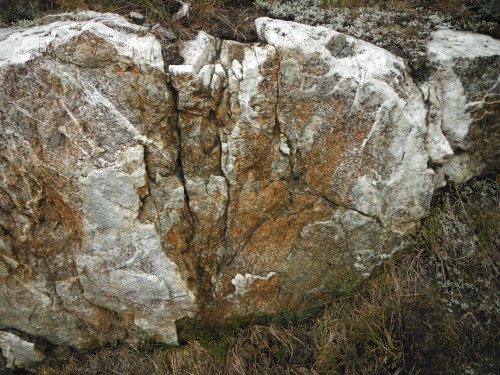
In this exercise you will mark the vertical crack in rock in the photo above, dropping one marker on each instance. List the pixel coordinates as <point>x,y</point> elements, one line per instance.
<point>200,164</point>
<point>140,278</point>
<point>436,144</point>
<point>276,106</point>
<point>225,243</point>
<point>180,167</point>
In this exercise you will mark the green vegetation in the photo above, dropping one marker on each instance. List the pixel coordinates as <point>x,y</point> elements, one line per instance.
<point>433,309</point>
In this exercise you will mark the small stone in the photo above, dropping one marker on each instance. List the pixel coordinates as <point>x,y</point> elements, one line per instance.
<point>163,32</point>
<point>184,12</point>
<point>136,18</point>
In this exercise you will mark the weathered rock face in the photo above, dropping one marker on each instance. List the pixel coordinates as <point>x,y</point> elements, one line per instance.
<point>464,97</point>
<point>252,178</point>
<point>86,118</point>
<point>19,353</point>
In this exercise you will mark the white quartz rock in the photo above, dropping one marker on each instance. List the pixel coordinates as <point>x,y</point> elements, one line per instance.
<point>248,179</point>
<point>437,145</point>
<point>445,46</point>
<point>122,266</point>
<point>144,51</point>
<point>367,80</point>
<point>18,352</point>
<point>199,51</point>
<point>465,81</point>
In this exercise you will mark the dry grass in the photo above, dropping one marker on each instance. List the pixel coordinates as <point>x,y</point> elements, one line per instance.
<point>154,10</point>
<point>227,19</point>
<point>433,309</point>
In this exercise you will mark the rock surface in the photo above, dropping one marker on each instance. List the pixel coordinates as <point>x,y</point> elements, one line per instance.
<point>464,76</point>
<point>19,353</point>
<point>252,178</point>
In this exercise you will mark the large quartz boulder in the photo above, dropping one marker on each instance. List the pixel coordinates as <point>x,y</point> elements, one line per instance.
<point>87,138</point>
<point>252,178</point>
